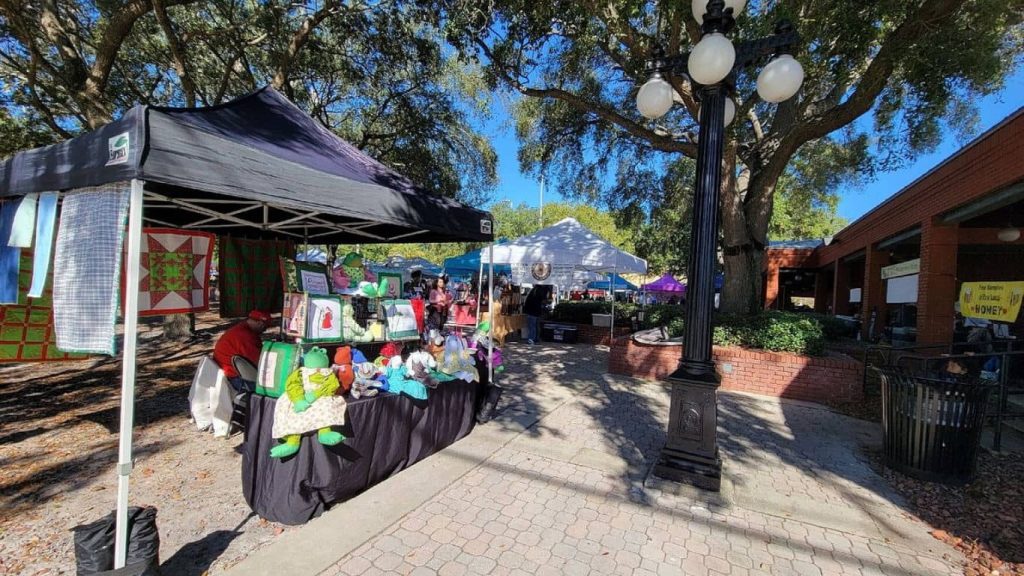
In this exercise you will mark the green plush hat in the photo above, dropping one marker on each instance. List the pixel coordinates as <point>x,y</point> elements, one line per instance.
<point>352,259</point>
<point>484,326</point>
<point>316,357</point>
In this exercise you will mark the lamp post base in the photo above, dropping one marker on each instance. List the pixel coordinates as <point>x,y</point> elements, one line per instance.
<point>690,454</point>
<point>689,469</point>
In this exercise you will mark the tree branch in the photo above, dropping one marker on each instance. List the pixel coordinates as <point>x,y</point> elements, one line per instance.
<point>658,142</point>
<point>177,53</point>
<point>299,40</point>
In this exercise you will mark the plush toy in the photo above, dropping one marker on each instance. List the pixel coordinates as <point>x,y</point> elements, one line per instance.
<point>418,366</point>
<point>350,274</point>
<point>366,383</point>
<point>392,349</point>
<point>400,383</point>
<point>435,346</point>
<point>482,343</point>
<point>308,404</point>
<point>456,360</point>
<point>343,367</point>
<point>351,329</point>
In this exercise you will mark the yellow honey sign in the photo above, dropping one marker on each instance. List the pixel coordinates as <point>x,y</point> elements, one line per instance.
<point>992,300</point>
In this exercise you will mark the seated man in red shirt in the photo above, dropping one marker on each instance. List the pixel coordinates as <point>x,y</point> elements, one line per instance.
<point>242,339</point>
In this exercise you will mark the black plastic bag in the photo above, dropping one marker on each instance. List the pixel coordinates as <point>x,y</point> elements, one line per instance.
<point>94,545</point>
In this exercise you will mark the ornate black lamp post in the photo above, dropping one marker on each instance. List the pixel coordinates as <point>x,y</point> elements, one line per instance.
<point>691,452</point>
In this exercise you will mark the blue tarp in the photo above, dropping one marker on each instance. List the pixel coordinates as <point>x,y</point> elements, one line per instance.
<point>470,263</point>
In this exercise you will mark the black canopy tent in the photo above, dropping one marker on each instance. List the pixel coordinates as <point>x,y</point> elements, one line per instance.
<point>257,166</point>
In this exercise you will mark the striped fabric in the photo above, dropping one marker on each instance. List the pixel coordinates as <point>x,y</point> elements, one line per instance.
<point>87,268</point>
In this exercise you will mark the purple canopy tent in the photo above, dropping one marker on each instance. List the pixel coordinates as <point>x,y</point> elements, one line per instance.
<point>665,285</point>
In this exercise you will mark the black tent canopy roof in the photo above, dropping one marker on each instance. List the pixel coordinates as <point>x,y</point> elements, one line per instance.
<point>257,166</point>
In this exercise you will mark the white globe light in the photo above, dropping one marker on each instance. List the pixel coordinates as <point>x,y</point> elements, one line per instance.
<point>711,59</point>
<point>1009,234</point>
<point>654,98</point>
<point>700,7</point>
<point>730,112</point>
<point>780,79</point>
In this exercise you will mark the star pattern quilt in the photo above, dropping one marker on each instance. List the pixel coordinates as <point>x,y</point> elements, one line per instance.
<point>174,271</point>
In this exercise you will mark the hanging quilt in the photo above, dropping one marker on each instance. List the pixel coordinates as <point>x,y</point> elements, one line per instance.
<point>249,275</point>
<point>87,268</point>
<point>26,329</point>
<point>174,271</point>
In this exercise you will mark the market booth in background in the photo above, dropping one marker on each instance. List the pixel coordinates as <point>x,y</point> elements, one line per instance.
<point>255,169</point>
<point>564,255</point>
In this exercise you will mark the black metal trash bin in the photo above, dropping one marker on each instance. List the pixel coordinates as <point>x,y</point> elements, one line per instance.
<point>931,426</point>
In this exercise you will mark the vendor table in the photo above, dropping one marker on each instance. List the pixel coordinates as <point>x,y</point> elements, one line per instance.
<point>503,325</point>
<point>384,435</point>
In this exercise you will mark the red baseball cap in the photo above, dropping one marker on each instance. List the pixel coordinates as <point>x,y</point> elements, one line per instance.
<point>259,316</point>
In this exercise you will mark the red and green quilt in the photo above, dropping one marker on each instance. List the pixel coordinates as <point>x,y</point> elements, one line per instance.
<point>26,329</point>
<point>250,277</point>
<point>174,271</point>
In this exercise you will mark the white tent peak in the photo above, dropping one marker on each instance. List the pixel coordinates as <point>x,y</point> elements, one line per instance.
<point>567,244</point>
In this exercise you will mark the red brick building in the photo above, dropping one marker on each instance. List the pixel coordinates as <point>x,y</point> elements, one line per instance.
<point>902,263</point>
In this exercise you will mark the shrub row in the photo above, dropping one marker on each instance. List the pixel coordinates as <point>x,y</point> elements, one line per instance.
<point>797,332</point>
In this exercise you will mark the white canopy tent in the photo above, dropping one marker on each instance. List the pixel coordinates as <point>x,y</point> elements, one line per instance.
<point>558,253</point>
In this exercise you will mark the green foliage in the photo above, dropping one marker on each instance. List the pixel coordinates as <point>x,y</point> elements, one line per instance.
<point>376,73</point>
<point>770,330</point>
<point>913,65</point>
<point>579,312</point>
<point>516,221</point>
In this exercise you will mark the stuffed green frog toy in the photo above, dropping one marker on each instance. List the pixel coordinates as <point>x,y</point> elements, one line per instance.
<point>308,403</point>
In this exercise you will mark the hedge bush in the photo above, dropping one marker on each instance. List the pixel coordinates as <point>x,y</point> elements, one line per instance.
<point>770,330</point>
<point>580,312</point>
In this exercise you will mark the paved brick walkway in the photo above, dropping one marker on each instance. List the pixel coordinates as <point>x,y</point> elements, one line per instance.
<point>568,496</point>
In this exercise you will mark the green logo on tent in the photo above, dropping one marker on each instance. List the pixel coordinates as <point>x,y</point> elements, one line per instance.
<point>117,149</point>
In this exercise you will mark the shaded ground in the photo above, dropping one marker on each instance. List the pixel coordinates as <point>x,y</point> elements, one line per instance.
<point>58,450</point>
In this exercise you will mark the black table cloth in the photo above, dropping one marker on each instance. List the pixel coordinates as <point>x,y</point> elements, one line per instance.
<point>383,435</point>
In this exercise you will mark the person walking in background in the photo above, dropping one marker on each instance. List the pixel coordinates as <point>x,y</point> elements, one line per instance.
<point>533,307</point>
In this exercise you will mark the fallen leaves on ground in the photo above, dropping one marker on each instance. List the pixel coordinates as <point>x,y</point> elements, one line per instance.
<point>984,519</point>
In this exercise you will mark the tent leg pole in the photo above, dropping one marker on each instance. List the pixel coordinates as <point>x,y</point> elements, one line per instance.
<point>611,288</point>
<point>491,314</point>
<point>480,287</point>
<point>128,361</point>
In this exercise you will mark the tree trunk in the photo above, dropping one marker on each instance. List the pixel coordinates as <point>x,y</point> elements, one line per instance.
<point>746,207</point>
<point>177,327</point>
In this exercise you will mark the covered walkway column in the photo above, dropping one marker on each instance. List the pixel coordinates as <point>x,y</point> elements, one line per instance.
<point>841,289</point>
<point>936,289</point>
<point>873,294</point>
<point>771,285</point>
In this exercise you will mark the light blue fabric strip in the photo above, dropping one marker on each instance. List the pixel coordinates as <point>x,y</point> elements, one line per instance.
<point>24,222</point>
<point>46,216</point>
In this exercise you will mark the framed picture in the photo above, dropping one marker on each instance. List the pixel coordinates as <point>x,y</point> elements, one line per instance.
<point>401,320</point>
<point>304,277</point>
<point>324,319</point>
<point>293,314</point>
<point>394,290</point>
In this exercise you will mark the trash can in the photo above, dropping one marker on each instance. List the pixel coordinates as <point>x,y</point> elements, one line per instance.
<point>94,545</point>
<point>931,427</point>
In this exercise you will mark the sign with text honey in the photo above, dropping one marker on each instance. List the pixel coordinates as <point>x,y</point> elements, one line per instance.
<point>992,300</point>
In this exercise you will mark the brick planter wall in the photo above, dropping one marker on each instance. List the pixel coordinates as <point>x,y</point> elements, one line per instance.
<point>590,334</point>
<point>834,377</point>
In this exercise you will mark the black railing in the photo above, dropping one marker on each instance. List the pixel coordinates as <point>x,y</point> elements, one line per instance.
<point>1005,368</point>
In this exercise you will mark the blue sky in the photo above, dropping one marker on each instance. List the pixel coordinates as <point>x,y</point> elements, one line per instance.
<point>854,202</point>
